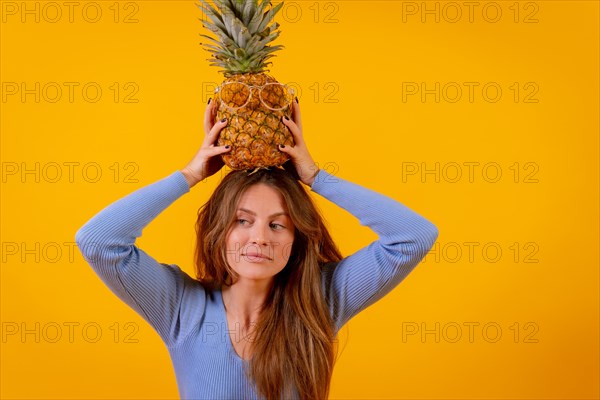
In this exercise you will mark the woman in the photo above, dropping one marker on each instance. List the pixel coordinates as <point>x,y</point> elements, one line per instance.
<point>271,289</point>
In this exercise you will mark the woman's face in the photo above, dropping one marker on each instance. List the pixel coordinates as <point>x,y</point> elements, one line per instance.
<point>260,241</point>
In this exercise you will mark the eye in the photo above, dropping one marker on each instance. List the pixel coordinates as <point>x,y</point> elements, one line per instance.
<point>277,226</point>
<point>241,221</point>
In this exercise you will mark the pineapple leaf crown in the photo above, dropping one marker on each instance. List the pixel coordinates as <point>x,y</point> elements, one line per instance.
<point>244,29</point>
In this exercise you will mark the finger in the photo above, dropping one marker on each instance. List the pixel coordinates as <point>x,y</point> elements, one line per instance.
<point>289,150</point>
<point>296,117</point>
<point>294,129</point>
<point>213,134</point>
<point>213,151</point>
<point>216,150</point>
<point>208,117</point>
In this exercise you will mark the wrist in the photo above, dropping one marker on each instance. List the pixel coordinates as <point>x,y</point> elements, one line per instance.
<point>190,177</point>
<point>312,175</point>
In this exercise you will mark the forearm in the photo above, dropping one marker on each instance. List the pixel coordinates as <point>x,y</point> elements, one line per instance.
<point>395,223</point>
<point>120,223</point>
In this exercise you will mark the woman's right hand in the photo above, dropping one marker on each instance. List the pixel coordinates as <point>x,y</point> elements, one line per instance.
<point>207,162</point>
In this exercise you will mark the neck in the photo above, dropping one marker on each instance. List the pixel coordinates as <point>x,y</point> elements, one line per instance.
<point>244,299</point>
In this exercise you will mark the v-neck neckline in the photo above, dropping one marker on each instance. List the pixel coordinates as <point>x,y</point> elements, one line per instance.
<point>228,340</point>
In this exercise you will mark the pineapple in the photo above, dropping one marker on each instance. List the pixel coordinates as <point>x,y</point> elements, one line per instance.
<point>252,101</point>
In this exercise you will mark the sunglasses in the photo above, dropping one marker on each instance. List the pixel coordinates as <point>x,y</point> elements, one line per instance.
<point>275,96</point>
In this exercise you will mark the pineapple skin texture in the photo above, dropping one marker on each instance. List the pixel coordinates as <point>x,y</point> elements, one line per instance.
<point>254,131</point>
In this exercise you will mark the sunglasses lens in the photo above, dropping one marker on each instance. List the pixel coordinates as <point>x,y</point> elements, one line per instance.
<point>276,96</point>
<point>235,94</point>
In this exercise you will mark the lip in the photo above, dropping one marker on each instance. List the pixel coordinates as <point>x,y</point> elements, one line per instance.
<point>256,255</point>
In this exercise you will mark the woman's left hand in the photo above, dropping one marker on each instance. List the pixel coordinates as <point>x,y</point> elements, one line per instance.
<point>301,159</point>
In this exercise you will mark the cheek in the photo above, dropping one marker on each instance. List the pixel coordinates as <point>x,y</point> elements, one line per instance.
<point>235,240</point>
<point>284,250</point>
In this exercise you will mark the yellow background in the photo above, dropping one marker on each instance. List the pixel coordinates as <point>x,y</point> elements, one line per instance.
<point>360,55</point>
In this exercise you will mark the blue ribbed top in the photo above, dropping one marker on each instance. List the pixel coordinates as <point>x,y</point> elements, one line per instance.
<point>192,321</point>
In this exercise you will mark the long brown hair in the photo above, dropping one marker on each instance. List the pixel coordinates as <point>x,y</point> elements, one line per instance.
<point>293,346</point>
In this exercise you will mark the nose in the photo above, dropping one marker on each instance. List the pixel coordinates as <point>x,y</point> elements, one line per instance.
<point>259,235</point>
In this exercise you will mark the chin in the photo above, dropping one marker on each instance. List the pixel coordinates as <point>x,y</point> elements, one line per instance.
<point>256,271</point>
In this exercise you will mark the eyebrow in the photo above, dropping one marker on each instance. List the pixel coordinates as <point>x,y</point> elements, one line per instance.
<point>270,216</point>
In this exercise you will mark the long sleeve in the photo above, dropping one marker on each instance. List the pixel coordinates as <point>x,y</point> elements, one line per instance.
<point>154,290</point>
<point>404,238</point>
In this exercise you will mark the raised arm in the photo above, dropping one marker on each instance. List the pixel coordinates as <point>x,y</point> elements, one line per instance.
<point>364,277</point>
<point>369,274</point>
<point>154,290</point>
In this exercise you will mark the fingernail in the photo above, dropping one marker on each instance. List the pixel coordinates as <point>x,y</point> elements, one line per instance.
<point>209,100</point>
<point>224,119</point>
<point>227,147</point>
<point>285,116</point>
<point>297,102</point>
<point>282,146</point>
